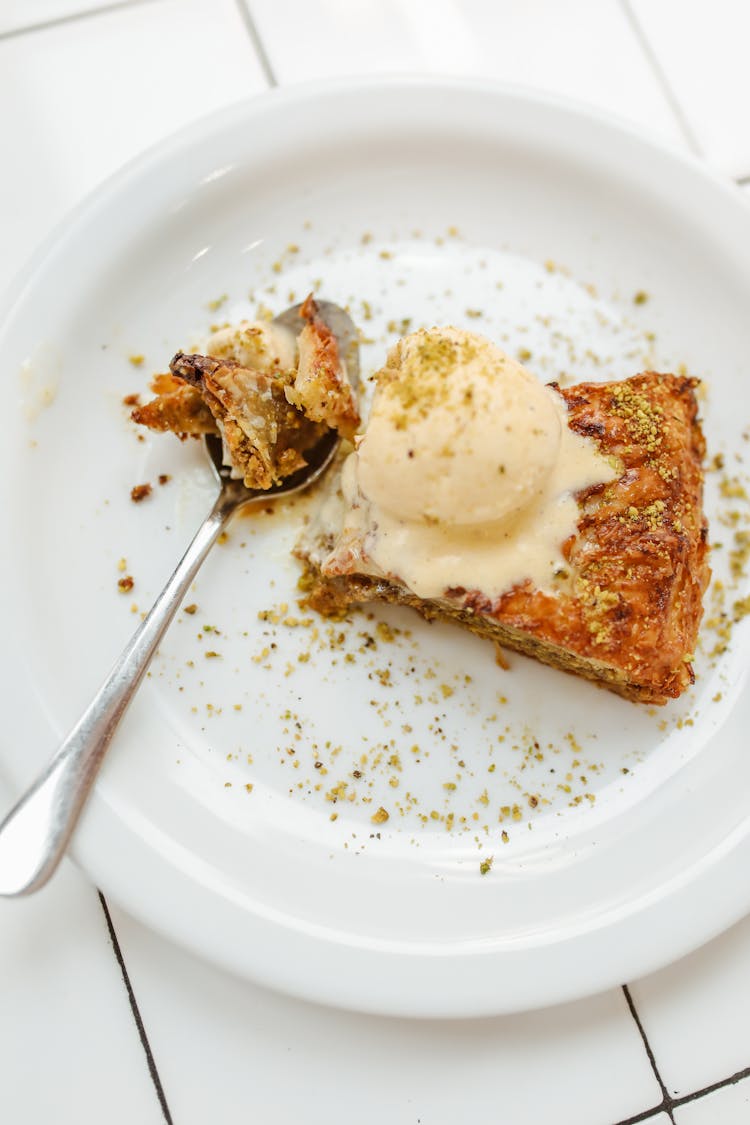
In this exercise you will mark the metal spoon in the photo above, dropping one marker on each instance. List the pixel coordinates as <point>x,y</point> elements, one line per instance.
<point>36,832</point>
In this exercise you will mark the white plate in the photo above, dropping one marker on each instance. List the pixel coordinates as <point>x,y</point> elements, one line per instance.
<point>433,201</point>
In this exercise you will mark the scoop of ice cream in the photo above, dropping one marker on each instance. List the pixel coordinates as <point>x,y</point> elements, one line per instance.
<point>261,346</point>
<point>459,432</point>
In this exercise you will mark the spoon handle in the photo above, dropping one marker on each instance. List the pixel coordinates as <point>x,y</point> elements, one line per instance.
<point>35,833</point>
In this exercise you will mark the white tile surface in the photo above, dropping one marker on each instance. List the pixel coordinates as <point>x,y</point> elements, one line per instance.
<point>67,1037</point>
<point>728,1106</point>
<point>581,48</point>
<point>702,49</point>
<point>90,94</point>
<point>19,15</point>
<point>229,1051</point>
<point>87,95</point>
<point>696,1016</point>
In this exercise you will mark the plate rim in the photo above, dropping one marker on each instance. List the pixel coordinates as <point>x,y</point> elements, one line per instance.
<point>301,91</point>
<point>111,877</point>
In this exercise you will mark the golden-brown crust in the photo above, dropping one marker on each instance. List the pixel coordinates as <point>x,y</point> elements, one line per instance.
<point>629,616</point>
<point>178,408</point>
<point>268,416</point>
<point>265,437</point>
<point>320,389</point>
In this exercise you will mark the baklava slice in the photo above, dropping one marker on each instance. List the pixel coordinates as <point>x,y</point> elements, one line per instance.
<point>566,524</point>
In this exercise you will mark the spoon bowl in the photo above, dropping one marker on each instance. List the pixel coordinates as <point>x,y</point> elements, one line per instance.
<point>322,454</point>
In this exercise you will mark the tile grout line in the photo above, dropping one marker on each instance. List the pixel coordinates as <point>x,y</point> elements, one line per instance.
<point>252,31</point>
<point>645,1115</point>
<point>71,17</point>
<point>666,1102</point>
<point>136,1013</point>
<point>732,1080</point>
<point>669,1103</point>
<point>661,77</point>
